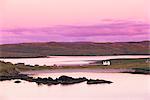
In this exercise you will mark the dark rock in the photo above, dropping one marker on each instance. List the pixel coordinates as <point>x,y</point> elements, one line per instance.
<point>97,81</point>
<point>64,80</point>
<point>17,82</point>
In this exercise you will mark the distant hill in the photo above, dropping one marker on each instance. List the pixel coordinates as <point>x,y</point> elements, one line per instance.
<point>74,49</point>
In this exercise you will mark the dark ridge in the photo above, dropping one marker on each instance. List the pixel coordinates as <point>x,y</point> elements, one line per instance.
<point>33,50</point>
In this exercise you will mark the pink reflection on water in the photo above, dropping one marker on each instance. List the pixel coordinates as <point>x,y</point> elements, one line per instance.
<point>125,87</point>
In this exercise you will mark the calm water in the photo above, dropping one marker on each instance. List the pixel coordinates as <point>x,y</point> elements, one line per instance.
<point>125,87</point>
<point>68,60</point>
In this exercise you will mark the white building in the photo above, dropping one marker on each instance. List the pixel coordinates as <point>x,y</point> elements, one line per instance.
<point>106,63</point>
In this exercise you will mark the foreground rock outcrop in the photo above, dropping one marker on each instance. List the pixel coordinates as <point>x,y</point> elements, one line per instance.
<point>63,80</point>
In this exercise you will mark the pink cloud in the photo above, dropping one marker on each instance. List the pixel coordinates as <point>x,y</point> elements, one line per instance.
<point>109,32</point>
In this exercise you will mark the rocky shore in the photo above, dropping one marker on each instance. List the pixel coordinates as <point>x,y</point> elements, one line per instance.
<point>9,71</point>
<point>63,80</point>
<point>97,81</point>
<point>145,71</point>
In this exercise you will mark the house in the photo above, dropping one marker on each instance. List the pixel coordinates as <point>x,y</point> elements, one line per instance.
<point>106,63</point>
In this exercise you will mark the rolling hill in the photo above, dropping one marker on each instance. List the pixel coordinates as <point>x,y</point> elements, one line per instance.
<point>73,49</point>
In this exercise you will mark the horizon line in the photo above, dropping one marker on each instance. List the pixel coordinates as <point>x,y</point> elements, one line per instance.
<point>75,42</point>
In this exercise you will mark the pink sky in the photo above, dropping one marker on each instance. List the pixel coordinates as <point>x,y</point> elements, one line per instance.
<point>33,14</point>
<point>36,13</point>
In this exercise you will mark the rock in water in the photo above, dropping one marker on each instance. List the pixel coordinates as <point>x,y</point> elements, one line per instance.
<point>17,82</point>
<point>97,81</point>
<point>66,80</point>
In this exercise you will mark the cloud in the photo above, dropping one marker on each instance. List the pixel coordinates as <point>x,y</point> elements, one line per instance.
<point>112,30</point>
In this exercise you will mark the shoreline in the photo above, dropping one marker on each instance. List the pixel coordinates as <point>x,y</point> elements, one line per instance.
<point>20,71</point>
<point>88,70</point>
<point>133,66</point>
<point>148,56</point>
<point>63,79</point>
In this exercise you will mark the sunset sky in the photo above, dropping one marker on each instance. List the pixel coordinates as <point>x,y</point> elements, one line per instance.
<point>74,20</point>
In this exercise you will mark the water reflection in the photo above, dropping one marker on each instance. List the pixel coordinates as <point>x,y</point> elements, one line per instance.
<point>125,87</point>
<point>68,60</point>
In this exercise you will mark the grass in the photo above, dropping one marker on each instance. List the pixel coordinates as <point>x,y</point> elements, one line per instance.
<point>7,69</point>
<point>117,64</point>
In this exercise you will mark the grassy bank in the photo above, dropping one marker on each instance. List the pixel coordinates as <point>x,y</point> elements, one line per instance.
<point>139,65</point>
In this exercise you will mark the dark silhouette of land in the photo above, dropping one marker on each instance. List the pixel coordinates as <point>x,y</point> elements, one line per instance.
<point>29,50</point>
